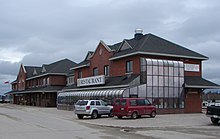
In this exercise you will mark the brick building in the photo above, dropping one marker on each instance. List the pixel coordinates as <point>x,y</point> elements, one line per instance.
<point>38,86</point>
<point>169,75</point>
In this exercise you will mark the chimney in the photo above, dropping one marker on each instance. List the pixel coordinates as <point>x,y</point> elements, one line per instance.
<point>138,33</point>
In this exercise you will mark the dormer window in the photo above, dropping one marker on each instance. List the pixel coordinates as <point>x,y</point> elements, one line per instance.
<point>43,69</point>
<point>124,46</point>
<point>35,72</point>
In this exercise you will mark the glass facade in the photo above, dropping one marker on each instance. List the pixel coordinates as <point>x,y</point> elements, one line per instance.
<point>164,81</point>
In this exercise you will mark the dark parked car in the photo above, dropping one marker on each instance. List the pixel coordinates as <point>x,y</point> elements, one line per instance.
<point>213,112</point>
<point>133,107</point>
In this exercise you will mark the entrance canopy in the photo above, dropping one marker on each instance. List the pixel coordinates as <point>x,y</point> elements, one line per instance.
<point>199,82</point>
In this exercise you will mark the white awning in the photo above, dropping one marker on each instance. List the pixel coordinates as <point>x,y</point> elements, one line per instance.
<point>112,92</point>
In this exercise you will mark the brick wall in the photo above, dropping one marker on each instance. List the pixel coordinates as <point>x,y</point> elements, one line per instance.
<point>57,80</point>
<point>100,59</point>
<point>118,67</point>
<point>21,79</point>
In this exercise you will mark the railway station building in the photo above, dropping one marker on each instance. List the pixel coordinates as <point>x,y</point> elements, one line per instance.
<point>38,86</point>
<point>168,74</point>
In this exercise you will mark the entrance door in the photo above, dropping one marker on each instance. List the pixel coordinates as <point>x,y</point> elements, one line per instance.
<point>193,102</point>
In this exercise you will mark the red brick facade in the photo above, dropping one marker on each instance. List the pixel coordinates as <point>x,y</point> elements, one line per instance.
<point>101,58</point>
<point>21,82</point>
<point>39,89</point>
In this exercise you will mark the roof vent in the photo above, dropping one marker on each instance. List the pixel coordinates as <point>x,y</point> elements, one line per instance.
<point>138,33</point>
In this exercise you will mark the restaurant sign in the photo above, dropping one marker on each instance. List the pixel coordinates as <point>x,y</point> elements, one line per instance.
<point>192,67</point>
<point>95,80</point>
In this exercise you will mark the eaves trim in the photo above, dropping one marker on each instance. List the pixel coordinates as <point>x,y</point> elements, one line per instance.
<point>65,74</point>
<point>202,87</point>
<point>81,66</point>
<point>95,88</point>
<point>157,54</point>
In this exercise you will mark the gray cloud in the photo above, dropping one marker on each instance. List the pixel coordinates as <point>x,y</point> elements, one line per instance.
<point>38,31</point>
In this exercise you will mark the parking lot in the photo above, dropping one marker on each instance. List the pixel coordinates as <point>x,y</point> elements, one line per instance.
<point>170,126</point>
<point>34,122</point>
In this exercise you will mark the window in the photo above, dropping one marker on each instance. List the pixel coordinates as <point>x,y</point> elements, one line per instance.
<point>44,81</point>
<point>133,102</point>
<point>95,71</point>
<point>98,103</point>
<point>82,102</point>
<point>48,80</point>
<point>129,66</point>
<point>79,74</point>
<point>147,102</point>
<point>117,102</point>
<point>123,102</point>
<point>106,70</point>
<point>92,103</point>
<point>103,103</point>
<point>70,80</point>
<point>141,102</point>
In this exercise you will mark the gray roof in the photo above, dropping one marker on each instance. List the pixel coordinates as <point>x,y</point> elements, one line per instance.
<point>83,63</point>
<point>154,45</point>
<point>30,70</point>
<point>62,66</point>
<point>199,82</point>
<point>59,67</point>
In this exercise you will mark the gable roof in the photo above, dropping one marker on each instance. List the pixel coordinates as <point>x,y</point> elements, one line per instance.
<point>82,64</point>
<point>89,55</point>
<point>124,46</point>
<point>150,44</point>
<point>30,70</point>
<point>60,67</point>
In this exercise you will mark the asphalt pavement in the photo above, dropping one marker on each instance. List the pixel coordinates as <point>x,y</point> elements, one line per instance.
<point>26,122</point>
<point>168,120</point>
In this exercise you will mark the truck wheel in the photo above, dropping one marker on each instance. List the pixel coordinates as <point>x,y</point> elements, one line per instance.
<point>134,115</point>
<point>214,120</point>
<point>94,115</point>
<point>80,116</point>
<point>110,114</point>
<point>119,117</point>
<point>153,114</point>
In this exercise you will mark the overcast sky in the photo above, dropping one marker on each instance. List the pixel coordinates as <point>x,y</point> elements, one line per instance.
<point>36,32</point>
